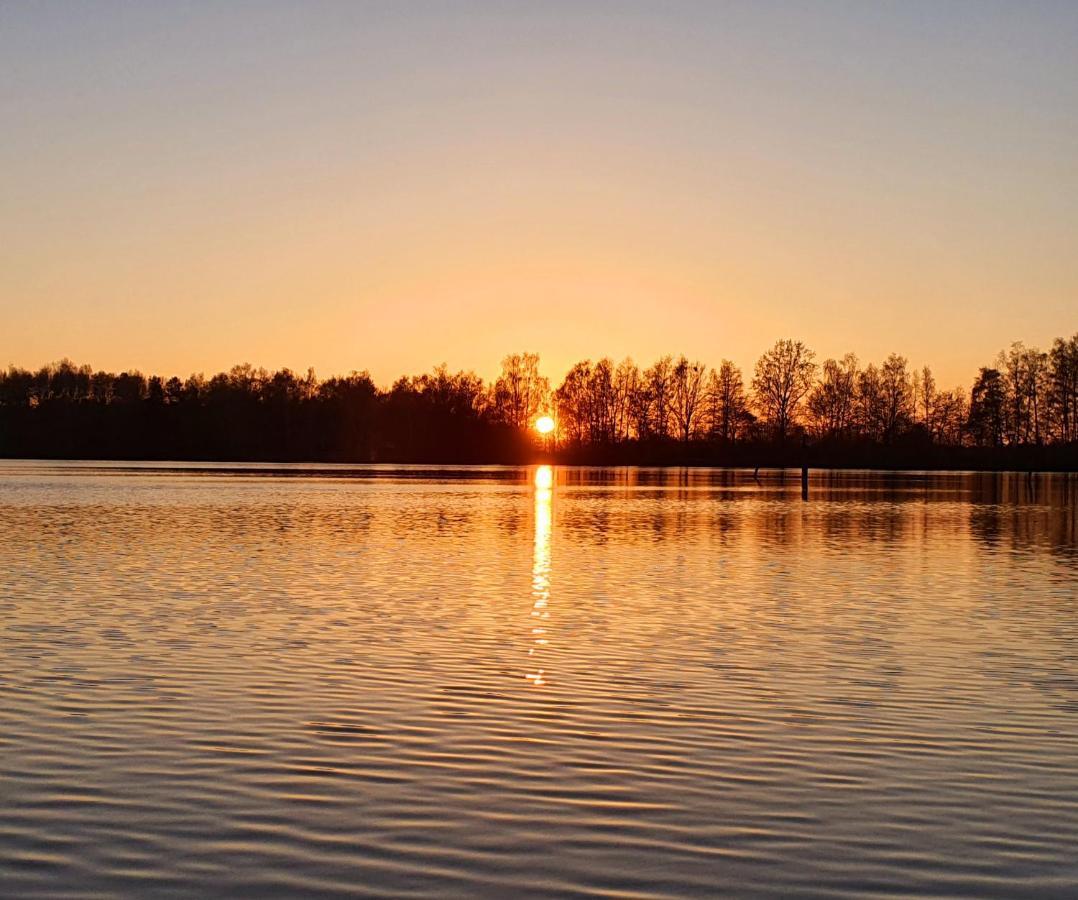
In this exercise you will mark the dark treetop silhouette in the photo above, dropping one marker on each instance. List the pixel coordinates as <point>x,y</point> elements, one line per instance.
<point>1021,413</point>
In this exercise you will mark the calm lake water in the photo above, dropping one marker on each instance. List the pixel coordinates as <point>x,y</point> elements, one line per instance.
<point>264,682</point>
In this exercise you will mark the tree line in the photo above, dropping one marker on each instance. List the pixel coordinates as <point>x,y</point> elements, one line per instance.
<point>1022,411</point>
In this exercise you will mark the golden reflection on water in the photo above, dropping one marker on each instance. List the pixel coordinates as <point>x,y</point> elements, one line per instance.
<point>543,481</point>
<point>737,689</point>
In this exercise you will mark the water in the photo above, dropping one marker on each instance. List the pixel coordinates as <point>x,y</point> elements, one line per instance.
<point>234,681</point>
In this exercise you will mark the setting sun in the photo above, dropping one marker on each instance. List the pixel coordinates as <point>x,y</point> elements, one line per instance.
<point>544,424</point>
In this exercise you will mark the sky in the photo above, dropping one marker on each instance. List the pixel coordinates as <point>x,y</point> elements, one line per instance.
<point>388,186</point>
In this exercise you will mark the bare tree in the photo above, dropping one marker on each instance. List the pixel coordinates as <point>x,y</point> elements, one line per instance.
<point>1027,376</point>
<point>832,401</point>
<point>658,379</point>
<point>571,399</point>
<point>627,384</point>
<point>870,403</point>
<point>1063,388</point>
<point>1037,388</point>
<point>897,396</point>
<point>950,414</point>
<point>520,391</point>
<point>601,402</point>
<point>783,376</point>
<point>640,410</point>
<point>1012,366</point>
<point>926,401</point>
<point>688,395</point>
<point>726,400</point>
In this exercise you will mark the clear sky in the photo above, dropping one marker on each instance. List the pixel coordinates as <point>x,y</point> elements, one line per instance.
<point>387,186</point>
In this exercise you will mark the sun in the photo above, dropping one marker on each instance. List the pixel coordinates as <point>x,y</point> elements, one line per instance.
<point>544,424</point>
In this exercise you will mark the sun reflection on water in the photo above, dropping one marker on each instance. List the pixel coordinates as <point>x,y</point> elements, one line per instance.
<point>544,490</point>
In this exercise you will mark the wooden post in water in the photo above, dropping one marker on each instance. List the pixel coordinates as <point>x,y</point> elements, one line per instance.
<point>804,471</point>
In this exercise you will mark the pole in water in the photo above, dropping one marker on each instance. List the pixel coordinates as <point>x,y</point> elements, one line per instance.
<point>804,482</point>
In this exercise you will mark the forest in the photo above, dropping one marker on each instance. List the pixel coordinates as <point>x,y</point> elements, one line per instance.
<point>1021,413</point>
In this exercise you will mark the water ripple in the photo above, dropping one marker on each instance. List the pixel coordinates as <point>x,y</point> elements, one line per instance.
<point>647,683</point>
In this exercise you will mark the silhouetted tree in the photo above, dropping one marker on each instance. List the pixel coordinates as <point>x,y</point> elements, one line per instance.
<point>641,403</point>
<point>897,396</point>
<point>832,402</point>
<point>784,375</point>
<point>520,391</point>
<point>602,402</point>
<point>986,409</point>
<point>924,400</point>
<point>727,407</point>
<point>951,416</point>
<point>627,384</point>
<point>572,400</point>
<point>688,396</point>
<point>870,403</point>
<point>1063,388</point>
<point>659,377</point>
<point>1023,412</point>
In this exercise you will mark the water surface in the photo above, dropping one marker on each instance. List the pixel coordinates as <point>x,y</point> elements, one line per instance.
<point>272,681</point>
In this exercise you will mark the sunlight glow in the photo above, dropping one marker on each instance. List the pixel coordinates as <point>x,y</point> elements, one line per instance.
<point>544,481</point>
<point>544,424</point>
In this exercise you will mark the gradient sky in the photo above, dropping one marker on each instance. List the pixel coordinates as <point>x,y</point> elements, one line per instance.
<point>387,186</point>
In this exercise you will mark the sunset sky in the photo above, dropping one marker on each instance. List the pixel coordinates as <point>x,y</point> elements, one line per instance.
<point>388,186</point>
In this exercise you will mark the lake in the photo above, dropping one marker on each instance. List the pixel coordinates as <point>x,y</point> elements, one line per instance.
<point>272,681</point>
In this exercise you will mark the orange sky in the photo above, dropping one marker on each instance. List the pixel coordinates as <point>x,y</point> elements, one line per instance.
<point>392,186</point>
